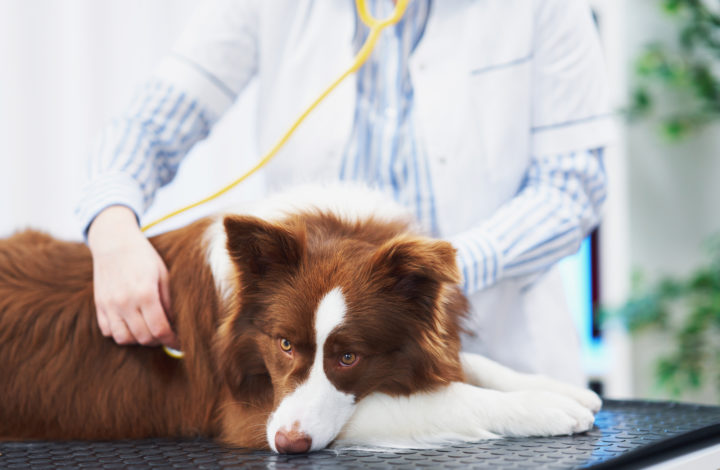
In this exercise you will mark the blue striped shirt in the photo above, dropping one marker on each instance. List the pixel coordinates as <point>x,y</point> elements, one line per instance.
<point>556,206</point>
<point>383,148</point>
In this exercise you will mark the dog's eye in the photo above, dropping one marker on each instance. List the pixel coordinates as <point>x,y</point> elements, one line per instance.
<point>285,345</point>
<point>348,359</point>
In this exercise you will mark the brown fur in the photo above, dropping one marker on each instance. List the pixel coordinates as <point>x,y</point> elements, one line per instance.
<point>61,379</point>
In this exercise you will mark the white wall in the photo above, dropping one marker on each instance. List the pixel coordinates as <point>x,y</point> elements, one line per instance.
<point>67,67</point>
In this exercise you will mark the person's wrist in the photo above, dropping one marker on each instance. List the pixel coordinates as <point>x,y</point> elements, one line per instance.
<point>111,223</point>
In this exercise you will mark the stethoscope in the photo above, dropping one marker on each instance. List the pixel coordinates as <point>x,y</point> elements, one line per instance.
<point>376,27</point>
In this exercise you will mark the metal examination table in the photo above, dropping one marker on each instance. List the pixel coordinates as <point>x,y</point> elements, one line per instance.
<point>627,434</point>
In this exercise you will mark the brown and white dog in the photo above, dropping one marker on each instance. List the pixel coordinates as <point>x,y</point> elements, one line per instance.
<point>319,317</point>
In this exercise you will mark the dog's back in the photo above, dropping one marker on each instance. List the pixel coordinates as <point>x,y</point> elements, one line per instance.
<point>60,377</point>
<point>45,308</point>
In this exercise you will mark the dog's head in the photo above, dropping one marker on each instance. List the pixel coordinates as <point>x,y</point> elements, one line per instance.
<point>326,312</point>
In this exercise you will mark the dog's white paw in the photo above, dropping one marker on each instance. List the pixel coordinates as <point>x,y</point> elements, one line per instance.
<point>483,372</point>
<point>542,413</point>
<point>587,398</point>
<point>583,396</point>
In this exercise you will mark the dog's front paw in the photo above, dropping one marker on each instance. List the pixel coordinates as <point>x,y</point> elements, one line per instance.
<point>585,397</point>
<point>483,372</point>
<point>541,413</point>
<point>588,399</point>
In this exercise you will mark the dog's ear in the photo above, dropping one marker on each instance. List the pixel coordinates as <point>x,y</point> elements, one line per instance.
<point>259,247</point>
<point>416,264</point>
<point>423,272</point>
<point>242,366</point>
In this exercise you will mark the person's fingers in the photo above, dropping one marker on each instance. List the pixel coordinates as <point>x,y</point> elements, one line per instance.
<point>157,322</point>
<point>164,289</point>
<point>137,325</point>
<point>164,331</point>
<point>120,332</point>
<point>103,322</point>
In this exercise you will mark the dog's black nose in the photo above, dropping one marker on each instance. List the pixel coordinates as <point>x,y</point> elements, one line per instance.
<point>292,442</point>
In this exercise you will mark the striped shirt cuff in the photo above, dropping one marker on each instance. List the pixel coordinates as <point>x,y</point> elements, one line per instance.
<point>107,190</point>
<point>479,259</point>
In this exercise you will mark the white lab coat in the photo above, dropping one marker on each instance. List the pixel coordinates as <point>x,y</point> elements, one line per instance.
<point>495,82</point>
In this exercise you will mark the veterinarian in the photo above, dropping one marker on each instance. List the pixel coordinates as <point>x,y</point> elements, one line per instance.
<point>486,118</point>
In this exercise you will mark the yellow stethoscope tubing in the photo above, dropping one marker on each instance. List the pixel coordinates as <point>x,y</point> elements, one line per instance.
<point>376,27</point>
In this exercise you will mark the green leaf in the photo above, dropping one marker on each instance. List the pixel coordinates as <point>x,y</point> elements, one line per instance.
<point>675,129</point>
<point>641,102</point>
<point>671,288</point>
<point>671,6</point>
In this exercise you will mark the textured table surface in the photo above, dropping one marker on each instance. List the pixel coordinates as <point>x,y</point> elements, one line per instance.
<point>624,431</point>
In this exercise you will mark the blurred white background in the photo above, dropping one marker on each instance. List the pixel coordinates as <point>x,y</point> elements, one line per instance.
<point>68,66</point>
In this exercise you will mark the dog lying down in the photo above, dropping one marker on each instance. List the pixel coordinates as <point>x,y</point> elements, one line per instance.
<point>318,318</point>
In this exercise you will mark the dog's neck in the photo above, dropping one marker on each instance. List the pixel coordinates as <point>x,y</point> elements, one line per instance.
<point>194,310</point>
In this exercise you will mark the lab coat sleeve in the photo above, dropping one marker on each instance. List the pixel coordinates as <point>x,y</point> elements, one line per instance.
<point>560,199</point>
<point>558,205</point>
<point>570,98</point>
<point>192,87</point>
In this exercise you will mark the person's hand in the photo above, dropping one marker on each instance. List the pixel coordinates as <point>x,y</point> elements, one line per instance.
<point>132,293</point>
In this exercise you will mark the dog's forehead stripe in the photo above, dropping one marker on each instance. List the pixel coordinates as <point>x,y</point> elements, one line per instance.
<point>329,315</point>
<point>316,408</point>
